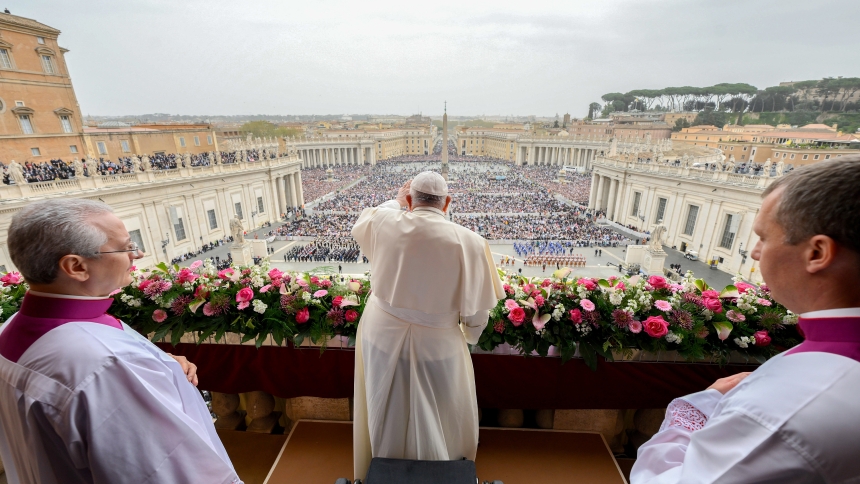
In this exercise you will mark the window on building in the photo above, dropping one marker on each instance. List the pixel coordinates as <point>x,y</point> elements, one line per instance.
<point>209,140</point>
<point>5,59</point>
<point>792,156</point>
<point>26,125</point>
<point>48,65</point>
<point>815,157</point>
<point>805,157</point>
<point>690,225</point>
<point>102,147</point>
<point>19,104</point>
<point>196,141</point>
<point>826,157</point>
<point>66,122</point>
<point>661,209</point>
<point>260,207</point>
<point>637,197</point>
<point>73,148</point>
<point>179,229</point>
<point>40,40</point>
<point>137,238</point>
<point>238,206</point>
<point>35,152</point>
<point>124,144</point>
<point>182,141</point>
<point>729,230</point>
<point>213,220</point>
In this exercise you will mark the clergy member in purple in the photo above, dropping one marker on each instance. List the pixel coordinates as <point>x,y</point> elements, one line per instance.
<point>83,397</point>
<point>795,419</point>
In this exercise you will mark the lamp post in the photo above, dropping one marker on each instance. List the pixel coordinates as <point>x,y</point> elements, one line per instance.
<point>164,243</point>
<point>743,253</point>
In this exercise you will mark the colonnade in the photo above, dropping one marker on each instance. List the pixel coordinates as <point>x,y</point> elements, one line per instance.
<point>289,188</point>
<point>605,194</point>
<point>313,157</point>
<point>557,155</point>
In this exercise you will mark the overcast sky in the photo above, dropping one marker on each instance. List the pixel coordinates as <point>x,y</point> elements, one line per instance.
<point>498,57</point>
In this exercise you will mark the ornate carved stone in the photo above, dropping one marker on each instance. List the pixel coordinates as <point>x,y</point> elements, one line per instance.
<point>261,406</point>
<point>224,405</point>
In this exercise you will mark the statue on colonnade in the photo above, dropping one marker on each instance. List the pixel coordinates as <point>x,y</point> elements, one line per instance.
<point>780,168</point>
<point>656,242</point>
<point>730,167</point>
<point>144,162</point>
<point>16,171</point>
<point>78,167</point>
<point>135,164</point>
<point>766,168</point>
<point>217,158</point>
<point>237,230</point>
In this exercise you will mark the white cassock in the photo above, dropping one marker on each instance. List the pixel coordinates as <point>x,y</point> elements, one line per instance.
<point>414,383</point>
<point>796,419</point>
<point>95,404</point>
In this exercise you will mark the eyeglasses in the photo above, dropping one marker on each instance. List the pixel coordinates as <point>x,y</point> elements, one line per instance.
<point>135,250</point>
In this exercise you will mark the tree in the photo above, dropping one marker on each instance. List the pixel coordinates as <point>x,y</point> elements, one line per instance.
<point>261,129</point>
<point>593,108</point>
<point>680,124</point>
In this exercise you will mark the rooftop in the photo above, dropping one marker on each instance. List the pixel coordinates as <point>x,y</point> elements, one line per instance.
<point>9,19</point>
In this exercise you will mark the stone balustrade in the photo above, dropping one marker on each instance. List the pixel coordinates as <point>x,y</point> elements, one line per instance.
<point>94,182</point>
<point>699,173</point>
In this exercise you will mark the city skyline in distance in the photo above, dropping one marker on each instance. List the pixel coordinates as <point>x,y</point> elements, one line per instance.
<point>499,58</point>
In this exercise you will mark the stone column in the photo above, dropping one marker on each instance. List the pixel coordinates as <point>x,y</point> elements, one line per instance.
<point>613,190</point>
<point>282,198</point>
<point>289,193</point>
<point>598,201</point>
<point>297,185</point>
<point>592,196</point>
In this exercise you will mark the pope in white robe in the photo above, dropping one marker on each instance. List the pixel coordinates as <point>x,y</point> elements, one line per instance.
<point>433,284</point>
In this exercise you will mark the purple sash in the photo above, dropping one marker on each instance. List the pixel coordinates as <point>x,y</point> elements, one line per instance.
<point>840,336</point>
<point>40,314</point>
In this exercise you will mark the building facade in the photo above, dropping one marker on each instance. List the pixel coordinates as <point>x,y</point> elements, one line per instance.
<point>173,212</point>
<point>40,118</point>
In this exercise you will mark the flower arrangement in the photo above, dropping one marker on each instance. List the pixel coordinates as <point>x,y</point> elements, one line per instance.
<point>591,316</point>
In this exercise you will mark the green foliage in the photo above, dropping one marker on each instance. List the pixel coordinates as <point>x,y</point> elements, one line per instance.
<point>680,124</point>
<point>266,129</point>
<point>710,117</point>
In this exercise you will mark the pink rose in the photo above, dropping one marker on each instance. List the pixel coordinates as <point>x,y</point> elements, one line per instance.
<point>710,294</point>
<point>620,286</point>
<point>226,273</point>
<point>244,296</point>
<point>132,268</point>
<point>546,283</point>
<point>576,316</point>
<point>302,282</point>
<point>303,315</point>
<point>663,305</point>
<point>201,292</point>
<point>656,327</point>
<point>276,274</point>
<point>315,280</point>
<point>635,326</point>
<point>539,300</point>
<point>144,284</point>
<point>658,282</point>
<point>517,316</point>
<point>186,275</point>
<point>587,305</point>
<point>336,302</point>
<point>510,304</point>
<point>159,315</point>
<point>713,304</point>
<point>350,315</point>
<point>743,287</point>
<point>761,338</point>
<point>320,293</point>
<point>11,278</point>
<point>676,287</point>
<point>763,302</point>
<point>508,289</point>
<point>196,264</point>
<point>326,283</point>
<point>588,284</point>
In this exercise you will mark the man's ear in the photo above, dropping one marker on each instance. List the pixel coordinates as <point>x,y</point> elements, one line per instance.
<point>821,253</point>
<point>409,201</point>
<point>74,267</point>
<point>447,203</point>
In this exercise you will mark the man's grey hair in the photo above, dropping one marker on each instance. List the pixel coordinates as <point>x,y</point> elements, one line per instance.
<point>45,231</point>
<point>425,199</point>
<point>821,198</point>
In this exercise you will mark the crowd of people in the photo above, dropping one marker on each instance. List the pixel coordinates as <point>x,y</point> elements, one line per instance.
<point>316,225</point>
<point>315,182</point>
<point>330,249</point>
<point>203,249</point>
<point>567,226</point>
<point>39,172</point>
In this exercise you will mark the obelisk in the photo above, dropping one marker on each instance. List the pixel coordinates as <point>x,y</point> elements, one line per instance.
<point>445,143</point>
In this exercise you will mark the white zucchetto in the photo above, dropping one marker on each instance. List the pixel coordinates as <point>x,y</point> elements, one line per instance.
<point>431,183</point>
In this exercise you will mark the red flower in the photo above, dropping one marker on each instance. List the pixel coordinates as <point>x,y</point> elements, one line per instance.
<point>545,283</point>
<point>350,315</point>
<point>315,280</point>
<point>303,315</point>
<point>517,316</point>
<point>576,316</point>
<point>336,302</point>
<point>713,304</point>
<point>656,327</point>
<point>761,338</point>
<point>539,300</point>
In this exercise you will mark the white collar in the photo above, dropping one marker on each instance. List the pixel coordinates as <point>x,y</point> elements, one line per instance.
<point>66,296</point>
<point>429,209</point>
<point>833,313</point>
